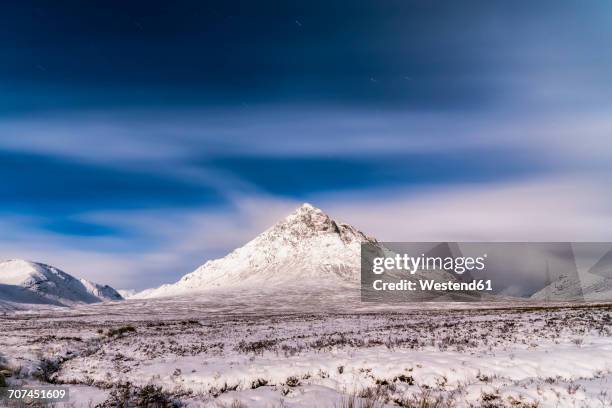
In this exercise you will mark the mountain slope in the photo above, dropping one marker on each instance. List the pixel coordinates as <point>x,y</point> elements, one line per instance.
<point>36,283</point>
<point>307,248</point>
<point>585,286</point>
<point>594,285</point>
<point>126,293</point>
<point>307,251</point>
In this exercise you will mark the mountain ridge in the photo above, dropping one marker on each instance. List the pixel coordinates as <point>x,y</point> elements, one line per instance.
<point>28,282</point>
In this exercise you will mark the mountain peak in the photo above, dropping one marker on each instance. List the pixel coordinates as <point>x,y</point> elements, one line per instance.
<point>308,221</point>
<point>16,271</point>
<point>307,207</point>
<point>17,261</point>
<point>306,211</point>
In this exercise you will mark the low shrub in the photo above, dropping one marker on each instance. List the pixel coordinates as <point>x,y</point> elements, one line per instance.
<point>120,331</point>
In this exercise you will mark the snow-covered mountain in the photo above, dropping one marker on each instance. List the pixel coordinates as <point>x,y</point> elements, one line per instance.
<point>585,286</point>
<point>306,248</point>
<point>127,293</point>
<point>25,282</point>
<point>594,285</point>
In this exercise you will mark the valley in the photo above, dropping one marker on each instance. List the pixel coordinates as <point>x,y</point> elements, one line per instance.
<point>194,353</point>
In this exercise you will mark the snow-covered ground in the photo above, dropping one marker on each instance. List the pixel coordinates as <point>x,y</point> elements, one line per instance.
<point>217,351</point>
<point>279,322</point>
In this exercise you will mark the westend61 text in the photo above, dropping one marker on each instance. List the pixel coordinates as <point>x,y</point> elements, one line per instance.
<point>429,285</point>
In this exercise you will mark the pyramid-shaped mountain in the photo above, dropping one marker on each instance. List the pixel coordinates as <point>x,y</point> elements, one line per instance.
<point>307,247</point>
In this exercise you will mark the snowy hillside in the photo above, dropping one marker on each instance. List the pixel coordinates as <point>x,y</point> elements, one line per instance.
<point>127,293</point>
<point>25,282</point>
<point>307,247</point>
<point>594,285</point>
<point>587,286</point>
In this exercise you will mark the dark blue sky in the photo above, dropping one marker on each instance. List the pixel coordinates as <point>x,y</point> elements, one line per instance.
<point>411,54</point>
<point>114,115</point>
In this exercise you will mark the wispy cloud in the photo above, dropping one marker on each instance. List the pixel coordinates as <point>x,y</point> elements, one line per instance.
<point>139,211</point>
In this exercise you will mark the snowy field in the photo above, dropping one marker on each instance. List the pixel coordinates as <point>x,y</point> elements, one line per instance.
<point>222,352</point>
